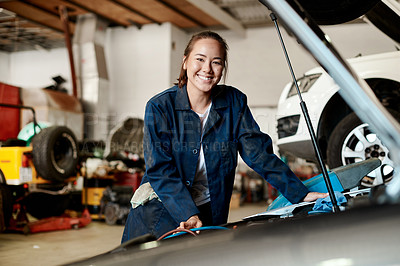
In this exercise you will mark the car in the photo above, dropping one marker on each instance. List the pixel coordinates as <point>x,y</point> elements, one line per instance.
<point>343,138</point>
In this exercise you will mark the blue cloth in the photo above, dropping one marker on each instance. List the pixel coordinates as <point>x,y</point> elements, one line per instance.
<point>172,140</point>
<point>325,204</point>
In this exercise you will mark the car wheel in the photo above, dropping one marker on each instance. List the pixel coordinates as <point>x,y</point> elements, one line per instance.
<point>55,153</point>
<point>353,141</point>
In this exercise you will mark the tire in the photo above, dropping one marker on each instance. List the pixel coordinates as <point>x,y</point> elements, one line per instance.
<point>352,141</point>
<point>55,153</point>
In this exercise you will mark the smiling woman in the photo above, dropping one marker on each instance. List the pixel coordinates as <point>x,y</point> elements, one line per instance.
<point>193,133</point>
<point>204,67</point>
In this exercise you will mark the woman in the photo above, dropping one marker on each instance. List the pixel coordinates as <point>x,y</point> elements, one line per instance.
<point>193,133</point>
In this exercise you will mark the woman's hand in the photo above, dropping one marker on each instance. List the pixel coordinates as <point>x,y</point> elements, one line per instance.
<point>312,196</point>
<point>192,222</point>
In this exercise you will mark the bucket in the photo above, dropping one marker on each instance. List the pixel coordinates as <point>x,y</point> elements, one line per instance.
<point>92,194</point>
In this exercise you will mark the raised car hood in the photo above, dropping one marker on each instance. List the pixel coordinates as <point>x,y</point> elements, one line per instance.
<point>385,15</point>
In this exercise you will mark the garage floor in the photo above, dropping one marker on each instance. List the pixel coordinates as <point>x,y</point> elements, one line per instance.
<point>60,247</point>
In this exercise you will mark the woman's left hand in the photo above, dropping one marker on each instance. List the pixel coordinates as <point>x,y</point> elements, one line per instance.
<point>312,196</point>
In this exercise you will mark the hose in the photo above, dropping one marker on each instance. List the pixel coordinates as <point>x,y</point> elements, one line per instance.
<point>180,231</point>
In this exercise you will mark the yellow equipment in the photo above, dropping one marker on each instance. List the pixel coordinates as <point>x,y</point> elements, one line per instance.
<point>15,165</point>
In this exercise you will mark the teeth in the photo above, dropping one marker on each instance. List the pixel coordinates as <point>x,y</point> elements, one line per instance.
<point>204,78</point>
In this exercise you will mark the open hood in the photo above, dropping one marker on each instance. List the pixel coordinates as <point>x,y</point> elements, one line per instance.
<point>385,15</point>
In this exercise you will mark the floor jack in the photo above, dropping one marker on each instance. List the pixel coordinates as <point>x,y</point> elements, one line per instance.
<point>19,221</point>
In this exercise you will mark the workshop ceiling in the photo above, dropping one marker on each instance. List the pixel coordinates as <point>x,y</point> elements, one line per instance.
<point>37,24</point>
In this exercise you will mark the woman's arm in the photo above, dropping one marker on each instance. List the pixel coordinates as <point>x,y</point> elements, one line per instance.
<point>256,150</point>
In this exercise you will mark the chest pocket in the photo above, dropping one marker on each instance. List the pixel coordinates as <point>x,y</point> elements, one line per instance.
<point>229,156</point>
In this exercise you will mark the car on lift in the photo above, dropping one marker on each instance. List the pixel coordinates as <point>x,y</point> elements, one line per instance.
<point>342,136</point>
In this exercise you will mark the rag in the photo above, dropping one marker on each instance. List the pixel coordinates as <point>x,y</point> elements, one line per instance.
<point>325,204</point>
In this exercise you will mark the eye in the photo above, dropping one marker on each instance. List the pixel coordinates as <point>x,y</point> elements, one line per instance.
<point>200,59</point>
<point>217,62</point>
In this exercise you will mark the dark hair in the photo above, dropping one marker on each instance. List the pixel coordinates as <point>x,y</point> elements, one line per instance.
<point>182,80</point>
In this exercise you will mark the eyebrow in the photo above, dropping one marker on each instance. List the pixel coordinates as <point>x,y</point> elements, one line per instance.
<point>206,56</point>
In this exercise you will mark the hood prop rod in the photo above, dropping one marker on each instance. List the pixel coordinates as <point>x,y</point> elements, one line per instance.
<point>308,121</point>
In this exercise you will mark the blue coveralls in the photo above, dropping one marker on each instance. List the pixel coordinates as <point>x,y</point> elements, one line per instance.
<point>172,142</point>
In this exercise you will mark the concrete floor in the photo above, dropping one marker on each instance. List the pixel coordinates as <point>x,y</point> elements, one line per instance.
<point>60,247</point>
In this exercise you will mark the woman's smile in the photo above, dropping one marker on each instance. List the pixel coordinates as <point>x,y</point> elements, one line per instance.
<point>204,77</point>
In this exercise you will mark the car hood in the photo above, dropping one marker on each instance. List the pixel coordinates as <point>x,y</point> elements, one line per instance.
<point>385,15</point>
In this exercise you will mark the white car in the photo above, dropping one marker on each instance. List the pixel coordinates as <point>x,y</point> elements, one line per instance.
<point>342,137</point>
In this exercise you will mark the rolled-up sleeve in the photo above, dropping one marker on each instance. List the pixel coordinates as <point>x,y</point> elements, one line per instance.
<point>161,169</point>
<point>256,150</point>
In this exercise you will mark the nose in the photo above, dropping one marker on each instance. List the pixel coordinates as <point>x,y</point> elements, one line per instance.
<point>207,67</point>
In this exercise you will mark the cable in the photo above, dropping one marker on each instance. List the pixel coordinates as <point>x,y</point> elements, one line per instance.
<point>181,231</point>
<point>175,231</point>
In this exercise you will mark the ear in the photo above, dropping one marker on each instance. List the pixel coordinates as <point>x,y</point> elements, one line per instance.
<point>184,63</point>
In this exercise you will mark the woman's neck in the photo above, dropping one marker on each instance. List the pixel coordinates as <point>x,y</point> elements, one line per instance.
<point>199,101</point>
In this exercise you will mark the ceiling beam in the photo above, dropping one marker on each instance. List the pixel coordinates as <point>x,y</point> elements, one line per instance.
<point>168,5</point>
<point>34,14</point>
<point>91,10</point>
<point>135,11</point>
<point>217,13</point>
<point>52,6</point>
<point>112,11</point>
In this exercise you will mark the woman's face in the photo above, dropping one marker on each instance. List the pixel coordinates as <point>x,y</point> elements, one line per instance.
<point>204,65</point>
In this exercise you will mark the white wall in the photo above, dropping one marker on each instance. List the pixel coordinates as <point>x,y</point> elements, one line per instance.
<point>4,67</point>
<point>354,39</point>
<point>178,44</point>
<point>139,63</point>
<point>35,69</point>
